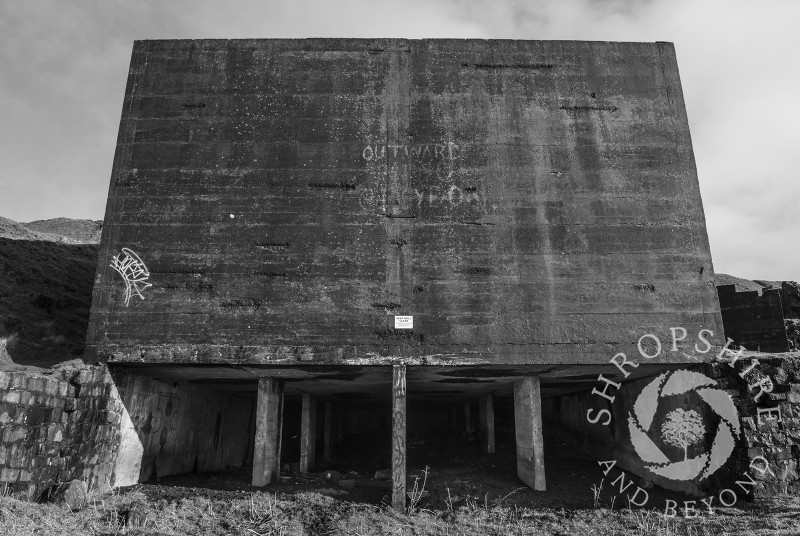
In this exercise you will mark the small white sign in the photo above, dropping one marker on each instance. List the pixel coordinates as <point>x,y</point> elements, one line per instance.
<point>403,322</point>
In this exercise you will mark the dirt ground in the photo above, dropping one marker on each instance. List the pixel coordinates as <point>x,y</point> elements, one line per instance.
<point>467,493</point>
<point>458,473</point>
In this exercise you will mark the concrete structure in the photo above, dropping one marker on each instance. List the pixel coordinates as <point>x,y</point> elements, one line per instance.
<point>275,205</point>
<point>754,319</point>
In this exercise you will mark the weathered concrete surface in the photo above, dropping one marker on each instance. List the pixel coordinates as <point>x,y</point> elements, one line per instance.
<point>486,417</point>
<point>172,428</point>
<point>269,427</point>
<point>399,438</point>
<point>308,434</point>
<point>528,432</point>
<point>525,201</point>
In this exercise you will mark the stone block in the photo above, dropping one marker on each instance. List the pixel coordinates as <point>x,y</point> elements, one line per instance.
<point>73,494</point>
<point>55,433</point>
<point>787,470</point>
<point>19,381</point>
<point>5,380</point>
<point>8,474</point>
<point>84,377</point>
<point>755,452</point>
<point>35,384</point>
<point>51,387</point>
<point>13,434</point>
<point>12,397</point>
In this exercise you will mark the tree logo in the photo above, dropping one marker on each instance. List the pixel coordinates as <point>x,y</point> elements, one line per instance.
<point>683,428</point>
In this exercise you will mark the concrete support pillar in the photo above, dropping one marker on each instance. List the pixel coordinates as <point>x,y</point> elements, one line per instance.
<point>326,444</point>
<point>269,423</point>
<point>308,429</point>
<point>339,424</point>
<point>399,438</point>
<point>468,417</point>
<point>528,427</point>
<point>486,411</point>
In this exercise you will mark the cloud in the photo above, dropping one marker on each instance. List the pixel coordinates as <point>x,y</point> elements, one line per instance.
<point>64,66</point>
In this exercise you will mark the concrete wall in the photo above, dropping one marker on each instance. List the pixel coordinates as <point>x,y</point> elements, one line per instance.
<point>80,422</point>
<point>172,428</point>
<point>754,320</point>
<point>525,201</point>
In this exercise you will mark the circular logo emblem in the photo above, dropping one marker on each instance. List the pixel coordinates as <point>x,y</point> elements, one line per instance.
<point>682,428</point>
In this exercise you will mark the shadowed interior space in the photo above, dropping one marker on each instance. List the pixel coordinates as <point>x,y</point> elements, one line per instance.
<point>338,427</point>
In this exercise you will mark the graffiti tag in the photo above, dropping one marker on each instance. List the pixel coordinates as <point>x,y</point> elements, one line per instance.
<point>133,270</point>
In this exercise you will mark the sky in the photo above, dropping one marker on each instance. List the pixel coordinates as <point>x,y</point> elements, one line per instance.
<point>63,68</point>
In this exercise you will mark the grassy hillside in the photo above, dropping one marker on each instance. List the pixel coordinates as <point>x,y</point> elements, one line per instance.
<point>79,231</point>
<point>45,296</point>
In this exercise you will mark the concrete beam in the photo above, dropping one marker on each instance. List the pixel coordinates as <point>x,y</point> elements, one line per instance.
<point>399,438</point>
<point>486,414</point>
<point>269,424</point>
<point>308,429</point>
<point>528,428</point>
<point>326,444</point>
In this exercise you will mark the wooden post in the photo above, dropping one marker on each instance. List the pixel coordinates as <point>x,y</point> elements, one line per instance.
<point>486,411</point>
<point>468,417</point>
<point>326,445</point>
<point>269,422</point>
<point>399,438</point>
<point>308,429</point>
<point>528,427</point>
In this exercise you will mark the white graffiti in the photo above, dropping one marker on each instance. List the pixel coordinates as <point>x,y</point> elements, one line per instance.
<point>133,270</point>
<point>435,197</point>
<point>427,150</point>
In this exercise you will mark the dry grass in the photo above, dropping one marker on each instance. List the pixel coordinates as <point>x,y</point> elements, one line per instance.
<point>262,514</point>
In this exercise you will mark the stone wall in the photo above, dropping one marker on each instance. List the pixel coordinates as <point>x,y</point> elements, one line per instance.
<point>57,425</point>
<point>776,439</point>
<point>109,430</point>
